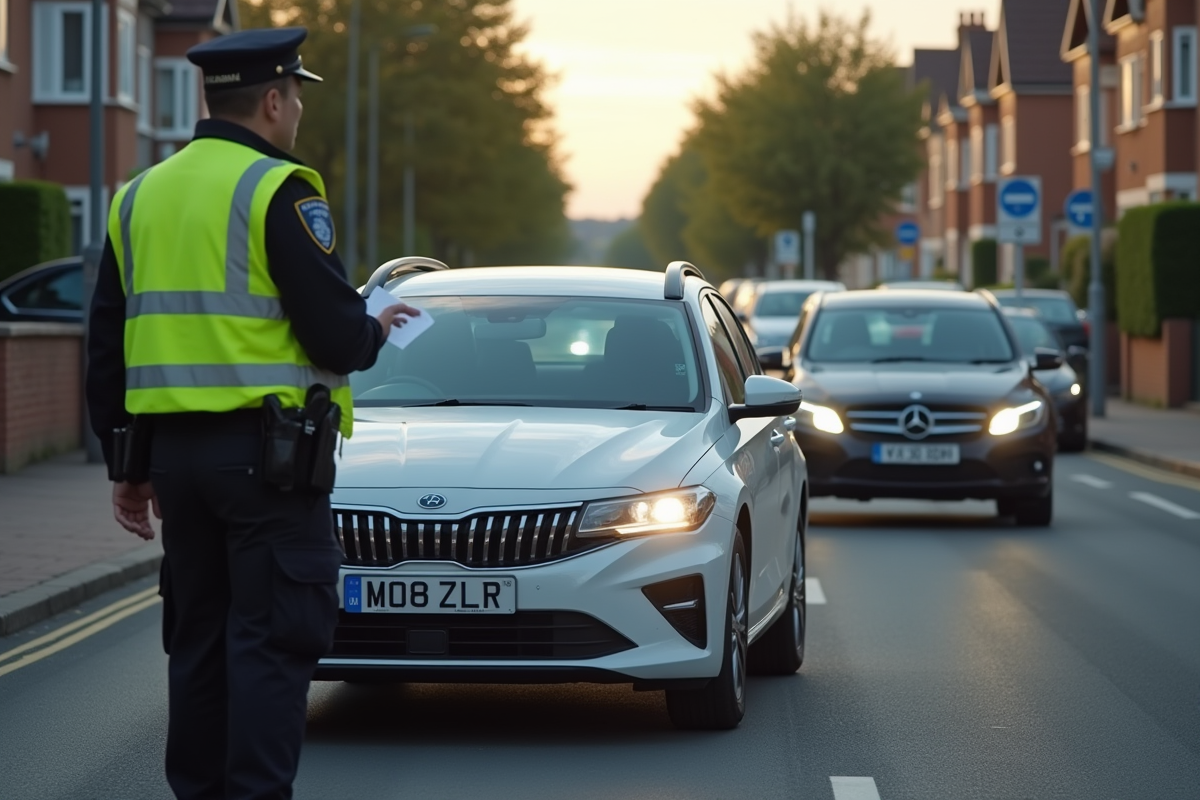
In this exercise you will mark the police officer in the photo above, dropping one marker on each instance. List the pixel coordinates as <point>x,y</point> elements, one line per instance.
<point>219,287</point>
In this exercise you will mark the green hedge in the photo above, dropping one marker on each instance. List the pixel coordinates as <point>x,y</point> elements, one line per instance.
<point>983,262</point>
<point>1158,267</point>
<point>35,224</point>
<point>1077,269</point>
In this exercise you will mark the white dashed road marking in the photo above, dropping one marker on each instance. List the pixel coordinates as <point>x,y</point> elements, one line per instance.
<point>1092,481</point>
<point>816,595</point>
<point>1164,505</point>
<point>854,788</point>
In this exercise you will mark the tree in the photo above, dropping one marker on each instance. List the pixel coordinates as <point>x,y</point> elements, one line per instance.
<point>628,249</point>
<point>489,182</point>
<point>821,121</point>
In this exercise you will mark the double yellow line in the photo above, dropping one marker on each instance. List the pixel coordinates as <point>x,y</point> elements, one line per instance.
<point>62,638</point>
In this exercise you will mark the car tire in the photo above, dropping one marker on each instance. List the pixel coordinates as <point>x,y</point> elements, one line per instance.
<point>722,703</point>
<point>1074,442</point>
<point>1035,512</point>
<point>780,651</point>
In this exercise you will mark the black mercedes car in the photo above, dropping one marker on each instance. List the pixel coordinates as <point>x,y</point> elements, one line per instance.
<point>924,394</point>
<point>1064,385</point>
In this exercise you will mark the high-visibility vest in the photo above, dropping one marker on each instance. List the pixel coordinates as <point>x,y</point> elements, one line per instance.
<point>204,326</point>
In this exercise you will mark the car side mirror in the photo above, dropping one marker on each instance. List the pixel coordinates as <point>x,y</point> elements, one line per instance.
<point>766,397</point>
<point>1075,351</point>
<point>1045,359</point>
<point>774,358</point>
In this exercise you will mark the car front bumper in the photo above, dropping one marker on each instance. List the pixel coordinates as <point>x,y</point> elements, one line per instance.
<point>580,618</point>
<point>989,468</point>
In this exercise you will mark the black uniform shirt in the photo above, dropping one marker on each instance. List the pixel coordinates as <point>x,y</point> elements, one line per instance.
<point>328,316</point>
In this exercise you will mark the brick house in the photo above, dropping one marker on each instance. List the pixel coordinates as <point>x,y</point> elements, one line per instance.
<point>1074,51</point>
<point>1033,91</point>
<point>1156,152</point>
<point>937,70</point>
<point>954,120</point>
<point>152,95</point>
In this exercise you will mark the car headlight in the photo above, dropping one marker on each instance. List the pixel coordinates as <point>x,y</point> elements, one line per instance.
<point>822,418</point>
<point>668,512</point>
<point>1076,389</point>
<point>1008,420</point>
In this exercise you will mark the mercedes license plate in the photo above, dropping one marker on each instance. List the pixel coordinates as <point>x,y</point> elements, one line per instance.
<point>429,594</point>
<point>916,454</point>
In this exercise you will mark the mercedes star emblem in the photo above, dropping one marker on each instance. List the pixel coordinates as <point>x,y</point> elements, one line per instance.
<point>916,422</point>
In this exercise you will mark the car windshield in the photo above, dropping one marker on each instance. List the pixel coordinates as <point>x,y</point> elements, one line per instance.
<point>541,351</point>
<point>1053,309</point>
<point>881,335</point>
<point>781,304</point>
<point>1032,334</point>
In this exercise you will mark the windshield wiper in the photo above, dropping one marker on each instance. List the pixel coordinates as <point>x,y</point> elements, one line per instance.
<point>456,402</point>
<point>991,361</point>
<point>899,359</point>
<point>644,407</point>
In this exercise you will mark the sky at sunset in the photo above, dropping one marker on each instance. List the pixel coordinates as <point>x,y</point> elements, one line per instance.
<point>628,70</point>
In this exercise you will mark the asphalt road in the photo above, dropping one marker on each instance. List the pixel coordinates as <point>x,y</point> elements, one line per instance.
<point>956,657</point>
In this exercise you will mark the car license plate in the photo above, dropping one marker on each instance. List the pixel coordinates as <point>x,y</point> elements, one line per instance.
<point>429,594</point>
<point>916,454</point>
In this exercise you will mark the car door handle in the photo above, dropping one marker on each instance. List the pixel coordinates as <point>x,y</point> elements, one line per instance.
<point>790,423</point>
<point>778,438</point>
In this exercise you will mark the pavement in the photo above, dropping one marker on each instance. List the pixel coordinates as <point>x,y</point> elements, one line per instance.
<point>60,546</point>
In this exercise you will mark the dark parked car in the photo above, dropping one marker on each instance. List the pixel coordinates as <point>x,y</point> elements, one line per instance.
<point>50,292</point>
<point>1057,309</point>
<point>924,395</point>
<point>1063,384</point>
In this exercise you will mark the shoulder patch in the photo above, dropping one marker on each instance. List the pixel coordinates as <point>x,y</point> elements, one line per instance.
<point>318,221</point>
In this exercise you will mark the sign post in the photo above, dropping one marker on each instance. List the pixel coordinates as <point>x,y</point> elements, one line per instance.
<point>810,245</point>
<point>907,236</point>
<point>1019,219</point>
<point>787,252</point>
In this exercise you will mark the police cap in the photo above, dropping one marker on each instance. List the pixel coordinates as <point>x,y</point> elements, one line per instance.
<point>246,58</point>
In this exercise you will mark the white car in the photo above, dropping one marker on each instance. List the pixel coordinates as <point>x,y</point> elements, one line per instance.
<point>575,474</point>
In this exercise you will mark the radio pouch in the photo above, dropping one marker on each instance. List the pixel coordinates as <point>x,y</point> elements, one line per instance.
<point>131,452</point>
<point>282,429</point>
<point>299,444</point>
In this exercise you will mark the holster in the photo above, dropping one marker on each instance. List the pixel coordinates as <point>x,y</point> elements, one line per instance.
<point>131,452</point>
<point>299,443</point>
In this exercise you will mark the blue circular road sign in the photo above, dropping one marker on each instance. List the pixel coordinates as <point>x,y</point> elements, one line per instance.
<point>1019,198</point>
<point>1080,208</point>
<point>908,233</point>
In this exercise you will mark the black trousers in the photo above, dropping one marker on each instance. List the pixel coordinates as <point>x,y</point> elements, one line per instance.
<point>250,605</point>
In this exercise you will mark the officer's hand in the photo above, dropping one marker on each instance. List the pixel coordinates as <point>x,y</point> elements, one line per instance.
<point>131,507</point>
<point>396,316</point>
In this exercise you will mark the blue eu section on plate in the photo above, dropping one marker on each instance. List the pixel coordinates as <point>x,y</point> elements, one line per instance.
<point>352,594</point>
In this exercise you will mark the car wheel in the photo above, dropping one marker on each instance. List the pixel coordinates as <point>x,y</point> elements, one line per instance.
<point>1035,512</point>
<point>780,651</point>
<point>1075,442</point>
<point>722,703</point>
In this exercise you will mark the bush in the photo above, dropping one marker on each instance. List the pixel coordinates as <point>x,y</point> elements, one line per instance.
<point>1157,275</point>
<point>35,225</point>
<point>1077,269</point>
<point>983,262</point>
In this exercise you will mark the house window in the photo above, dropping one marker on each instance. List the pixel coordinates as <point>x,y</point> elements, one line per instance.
<point>126,55</point>
<point>952,164</point>
<point>79,198</point>
<point>3,31</point>
<point>1131,92</point>
<point>977,153</point>
<point>1156,68</point>
<point>144,68</point>
<point>63,51</point>
<point>1008,143</point>
<point>937,182</point>
<point>964,173</point>
<point>175,98</point>
<point>991,134</point>
<point>1083,116</point>
<point>1184,65</point>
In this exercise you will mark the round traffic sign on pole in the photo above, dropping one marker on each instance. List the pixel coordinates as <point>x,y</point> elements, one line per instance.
<point>908,233</point>
<point>1080,208</point>
<point>1019,198</point>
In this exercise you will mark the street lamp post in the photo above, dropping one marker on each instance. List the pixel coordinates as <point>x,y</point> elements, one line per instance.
<point>351,234</point>
<point>94,247</point>
<point>373,160</point>
<point>1098,382</point>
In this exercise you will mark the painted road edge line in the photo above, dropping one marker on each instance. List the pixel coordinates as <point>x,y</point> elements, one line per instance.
<point>814,594</point>
<point>58,633</point>
<point>1164,505</point>
<point>107,622</point>
<point>845,788</point>
<point>1092,481</point>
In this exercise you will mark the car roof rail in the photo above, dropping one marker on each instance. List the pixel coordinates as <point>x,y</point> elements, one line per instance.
<point>677,273</point>
<point>401,266</point>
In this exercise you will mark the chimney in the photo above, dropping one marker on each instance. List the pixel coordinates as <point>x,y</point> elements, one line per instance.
<point>972,20</point>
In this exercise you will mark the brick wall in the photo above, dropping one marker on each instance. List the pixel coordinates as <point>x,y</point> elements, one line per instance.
<point>40,388</point>
<point>1158,371</point>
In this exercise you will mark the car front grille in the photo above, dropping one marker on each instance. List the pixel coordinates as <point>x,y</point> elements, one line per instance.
<point>528,635</point>
<point>937,421</point>
<point>514,537</point>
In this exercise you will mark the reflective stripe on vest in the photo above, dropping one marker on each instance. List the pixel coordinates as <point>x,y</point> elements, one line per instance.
<point>236,300</point>
<point>211,376</point>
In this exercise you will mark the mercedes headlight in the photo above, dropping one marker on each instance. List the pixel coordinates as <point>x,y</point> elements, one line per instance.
<point>822,418</point>
<point>1009,420</point>
<point>1076,390</point>
<point>668,512</point>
